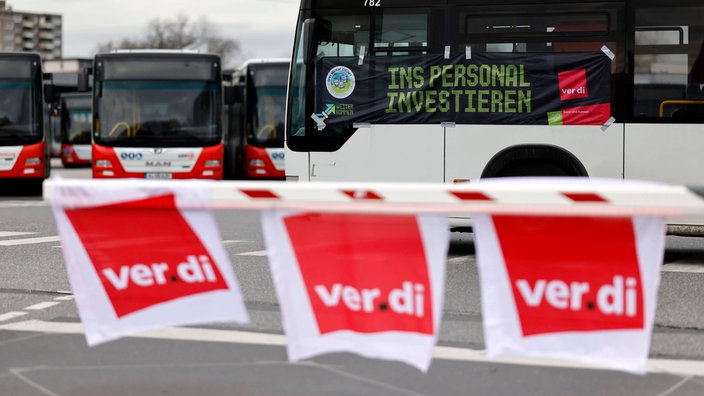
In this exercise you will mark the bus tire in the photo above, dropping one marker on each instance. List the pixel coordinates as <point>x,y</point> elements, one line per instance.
<point>534,160</point>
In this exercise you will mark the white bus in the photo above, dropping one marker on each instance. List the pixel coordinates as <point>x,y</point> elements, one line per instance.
<point>460,90</point>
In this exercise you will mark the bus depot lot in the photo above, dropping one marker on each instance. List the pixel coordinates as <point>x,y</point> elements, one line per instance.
<point>153,366</point>
<point>44,351</point>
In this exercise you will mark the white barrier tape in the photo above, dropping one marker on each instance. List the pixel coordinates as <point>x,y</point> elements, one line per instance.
<point>529,196</point>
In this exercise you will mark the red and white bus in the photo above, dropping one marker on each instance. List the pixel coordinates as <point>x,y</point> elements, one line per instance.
<point>157,114</point>
<point>461,90</point>
<point>254,141</point>
<point>75,129</point>
<point>24,142</point>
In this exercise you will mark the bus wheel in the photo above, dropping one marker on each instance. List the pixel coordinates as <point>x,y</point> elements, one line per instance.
<point>534,160</point>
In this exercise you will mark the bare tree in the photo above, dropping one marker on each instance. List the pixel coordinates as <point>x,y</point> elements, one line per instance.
<point>179,33</point>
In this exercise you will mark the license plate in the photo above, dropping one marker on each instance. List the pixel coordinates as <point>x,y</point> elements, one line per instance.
<point>158,175</point>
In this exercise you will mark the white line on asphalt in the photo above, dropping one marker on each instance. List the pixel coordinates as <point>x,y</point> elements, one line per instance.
<point>29,241</point>
<point>41,305</point>
<point>258,253</point>
<point>64,298</point>
<point>11,315</point>
<point>22,204</point>
<point>663,366</point>
<point>5,234</point>
<point>683,267</point>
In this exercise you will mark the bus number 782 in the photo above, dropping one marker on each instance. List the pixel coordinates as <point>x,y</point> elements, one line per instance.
<point>372,3</point>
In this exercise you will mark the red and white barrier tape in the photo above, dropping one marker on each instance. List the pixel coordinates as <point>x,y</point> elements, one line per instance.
<point>556,196</point>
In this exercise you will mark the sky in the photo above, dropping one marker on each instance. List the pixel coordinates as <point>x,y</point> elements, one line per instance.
<point>263,28</point>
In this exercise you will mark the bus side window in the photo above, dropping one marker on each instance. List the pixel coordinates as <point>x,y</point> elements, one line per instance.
<point>667,63</point>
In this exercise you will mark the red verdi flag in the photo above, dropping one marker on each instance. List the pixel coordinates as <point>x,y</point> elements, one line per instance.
<point>366,284</point>
<point>578,288</point>
<point>143,257</point>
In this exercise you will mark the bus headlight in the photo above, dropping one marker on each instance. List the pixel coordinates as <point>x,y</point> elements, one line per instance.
<point>212,163</point>
<point>256,162</point>
<point>103,163</point>
<point>33,161</point>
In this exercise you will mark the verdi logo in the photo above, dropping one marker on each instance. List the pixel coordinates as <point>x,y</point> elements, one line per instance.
<point>145,253</point>
<point>572,273</point>
<point>340,82</point>
<point>363,273</point>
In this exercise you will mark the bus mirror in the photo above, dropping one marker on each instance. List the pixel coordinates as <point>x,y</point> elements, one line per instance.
<point>83,84</point>
<point>315,31</point>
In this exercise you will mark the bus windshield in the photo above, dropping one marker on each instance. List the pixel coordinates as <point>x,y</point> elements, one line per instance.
<point>76,120</point>
<point>17,124</point>
<point>267,106</point>
<point>157,113</point>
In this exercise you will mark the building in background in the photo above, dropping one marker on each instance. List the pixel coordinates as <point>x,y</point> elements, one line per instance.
<point>27,31</point>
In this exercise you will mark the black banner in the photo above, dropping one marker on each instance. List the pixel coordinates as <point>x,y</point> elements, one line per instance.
<point>489,88</point>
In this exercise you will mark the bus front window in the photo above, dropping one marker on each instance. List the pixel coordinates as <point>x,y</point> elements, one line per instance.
<point>16,123</point>
<point>165,114</point>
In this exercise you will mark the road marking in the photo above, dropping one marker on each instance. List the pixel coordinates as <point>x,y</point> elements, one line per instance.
<point>64,298</point>
<point>232,241</point>
<point>683,267</point>
<point>5,234</point>
<point>258,253</point>
<point>15,204</point>
<point>41,305</point>
<point>29,241</point>
<point>657,366</point>
<point>11,315</point>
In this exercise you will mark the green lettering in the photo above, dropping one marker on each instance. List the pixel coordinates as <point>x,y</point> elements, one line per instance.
<point>470,101</point>
<point>483,100</point>
<point>472,78</point>
<point>523,76</point>
<point>460,76</point>
<point>497,103</point>
<point>418,73</point>
<point>447,73</point>
<point>418,100</point>
<point>511,76</point>
<point>404,102</point>
<point>406,77</point>
<point>510,101</point>
<point>485,75</point>
<point>392,96</point>
<point>435,73</point>
<point>444,106</point>
<point>457,97</point>
<point>524,101</point>
<point>497,75</point>
<point>430,101</point>
<point>394,84</point>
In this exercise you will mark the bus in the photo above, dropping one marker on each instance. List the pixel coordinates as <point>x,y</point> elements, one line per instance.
<point>462,90</point>
<point>254,141</point>
<point>24,142</point>
<point>157,114</point>
<point>75,129</point>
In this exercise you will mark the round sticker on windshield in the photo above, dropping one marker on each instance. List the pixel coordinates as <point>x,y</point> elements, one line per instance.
<point>340,82</point>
